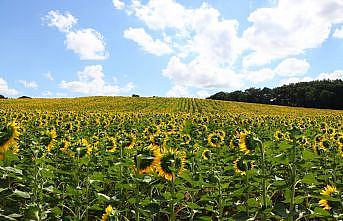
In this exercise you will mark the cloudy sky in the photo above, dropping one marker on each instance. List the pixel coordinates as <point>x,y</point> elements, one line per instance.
<point>165,47</point>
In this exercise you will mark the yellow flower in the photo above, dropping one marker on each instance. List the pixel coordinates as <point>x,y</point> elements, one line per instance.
<point>52,142</point>
<point>206,154</point>
<point>325,204</point>
<point>9,139</point>
<point>278,135</point>
<point>171,164</point>
<point>241,166</point>
<point>215,139</point>
<point>107,213</point>
<point>328,190</point>
<point>246,142</point>
<point>147,159</point>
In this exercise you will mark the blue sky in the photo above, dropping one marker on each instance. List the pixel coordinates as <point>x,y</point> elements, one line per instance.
<point>176,48</point>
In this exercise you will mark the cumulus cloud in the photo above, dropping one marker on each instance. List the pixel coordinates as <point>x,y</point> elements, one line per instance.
<point>118,4</point>
<point>201,74</point>
<point>337,74</point>
<point>178,91</point>
<point>292,67</point>
<point>5,90</point>
<point>294,80</point>
<point>88,43</point>
<point>289,67</point>
<point>338,33</point>
<point>203,45</point>
<point>29,84</point>
<point>139,35</point>
<point>63,22</point>
<point>207,50</point>
<point>289,28</point>
<point>90,81</point>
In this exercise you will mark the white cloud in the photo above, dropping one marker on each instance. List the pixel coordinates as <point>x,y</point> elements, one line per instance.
<point>338,74</point>
<point>292,67</point>
<point>156,47</point>
<point>160,14</point>
<point>289,29</point>
<point>289,67</point>
<point>63,22</point>
<point>202,94</point>
<point>29,84</point>
<point>90,81</point>
<point>294,80</point>
<point>261,75</point>
<point>204,46</point>
<point>88,43</point>
<point>207,49</point>
<point>338,33</point>
<point>118,4</point>
<point>49,76</point>
<point>5,90</point>
<point>201,74</point>
<point>178,91</point>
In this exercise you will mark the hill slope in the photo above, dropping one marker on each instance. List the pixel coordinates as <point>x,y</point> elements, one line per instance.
<point>155,105</point>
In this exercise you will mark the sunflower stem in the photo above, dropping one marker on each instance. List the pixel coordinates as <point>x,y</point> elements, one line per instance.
<point>293,181</point>
<point>172,217</point>
<point>247,192</point>
<point>264,188</point>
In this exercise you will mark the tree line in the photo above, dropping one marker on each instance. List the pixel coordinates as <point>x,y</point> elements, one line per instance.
<point>315,94</point>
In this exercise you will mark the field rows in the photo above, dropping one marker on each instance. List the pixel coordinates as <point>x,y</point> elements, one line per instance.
<point>120,158</point>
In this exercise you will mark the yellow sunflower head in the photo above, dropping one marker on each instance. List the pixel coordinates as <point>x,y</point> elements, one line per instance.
<point>215,139</point>
<point>278,135</point>
<point>52,139</point>
<point>234,143</point>
<point>108,212</point>
<point>242,166</point>
<point>110,144</point>
<point>206,154</point>
<point>329,190</point>
<point>8,136</point>
<point>246,142</point>
<point>147,158</point>
<point>171,164</point>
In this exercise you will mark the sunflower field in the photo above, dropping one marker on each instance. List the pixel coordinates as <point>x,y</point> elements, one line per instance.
<point>119,158</point>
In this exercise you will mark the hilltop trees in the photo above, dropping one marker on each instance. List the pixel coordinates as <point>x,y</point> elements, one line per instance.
<point>316,94</point>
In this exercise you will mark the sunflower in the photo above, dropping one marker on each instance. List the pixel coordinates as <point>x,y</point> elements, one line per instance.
<point>130,140</point>
<point>186,138</point>
<point>241,166</point>
<point>158,139</point>
<point>278,135</point>
<point>234,143</point>
<point>8,136</point>
<point>110,144</point>
<point>52,142</point>
<point>108,211</point>
<point>325,144</point>
<point>206,154</point>
<point>172,163</point>
<point>147,159</point>
<point>215,139</point>
<point>303,141</point>
<point>64,146</point>
<point>327,191</point>
<point>246,142</point>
